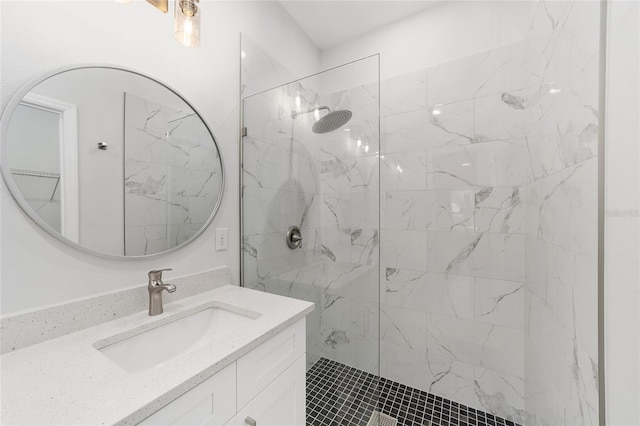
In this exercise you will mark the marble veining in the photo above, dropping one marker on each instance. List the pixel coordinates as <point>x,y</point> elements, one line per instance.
<point>452,246</point>
<point>329,183</point>
<point>487,138</point>
<point>560,273</point>
<point>171,176</point>
<point>485,170</point>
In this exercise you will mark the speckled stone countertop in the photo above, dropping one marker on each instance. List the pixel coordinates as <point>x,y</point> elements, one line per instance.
<point>68,381</point>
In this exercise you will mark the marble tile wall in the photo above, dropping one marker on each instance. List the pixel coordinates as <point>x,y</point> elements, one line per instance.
<point>488,185</point>
<point>328,185</point>
<point>486,172</point>
<point>350,210</point>
<point>281,189</point>
<point>172,176</point>
<point>561,338</point>
<point>453,165</point>
<point>448,174</point>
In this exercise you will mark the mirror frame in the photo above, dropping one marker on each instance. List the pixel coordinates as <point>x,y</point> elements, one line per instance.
<point>5,120</point>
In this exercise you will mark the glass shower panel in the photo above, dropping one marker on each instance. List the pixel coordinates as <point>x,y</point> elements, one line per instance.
<point>327,186</point>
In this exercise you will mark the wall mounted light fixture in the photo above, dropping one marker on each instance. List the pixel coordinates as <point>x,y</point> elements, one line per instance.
<point>161,5</point>
<point>187,22</point>
<point>186,19</point>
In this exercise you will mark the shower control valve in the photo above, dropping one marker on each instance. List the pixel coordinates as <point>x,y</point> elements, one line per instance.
<point>294,237</point>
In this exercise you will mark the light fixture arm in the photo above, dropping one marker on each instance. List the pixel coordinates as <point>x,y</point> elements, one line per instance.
<point>161,5</point>
<point>295,114</point>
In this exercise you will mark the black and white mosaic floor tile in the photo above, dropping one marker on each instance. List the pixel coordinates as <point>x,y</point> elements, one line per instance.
<point>341,395</point>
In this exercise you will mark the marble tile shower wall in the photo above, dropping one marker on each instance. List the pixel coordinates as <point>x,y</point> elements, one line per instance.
<point>488,233</point>
<point>561,299</point>
<point>487,175</point>
<point>170,189</point>
<point>281,189</point>
<point>328,185</point>
<point>453,164</point>
<point>350,209</point>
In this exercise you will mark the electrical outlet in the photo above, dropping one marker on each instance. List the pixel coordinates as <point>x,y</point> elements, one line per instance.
<point>222,235</point>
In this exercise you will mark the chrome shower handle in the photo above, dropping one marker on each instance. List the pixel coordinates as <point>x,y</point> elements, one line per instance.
<point>294,238</point>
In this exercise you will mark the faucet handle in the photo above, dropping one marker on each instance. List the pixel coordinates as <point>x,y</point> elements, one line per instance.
<point>156,275</point>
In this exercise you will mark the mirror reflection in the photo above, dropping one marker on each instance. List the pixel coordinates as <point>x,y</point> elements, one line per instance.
<point>111,161</point>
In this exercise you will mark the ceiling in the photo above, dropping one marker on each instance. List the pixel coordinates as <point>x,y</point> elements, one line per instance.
<point>330,22</point>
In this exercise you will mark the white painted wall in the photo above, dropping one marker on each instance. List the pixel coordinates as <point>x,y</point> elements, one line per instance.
<point>447,31</point>
<point>622,223</point>
<point>36,269</point>
<point>43,138</point>
<point>41,193</point>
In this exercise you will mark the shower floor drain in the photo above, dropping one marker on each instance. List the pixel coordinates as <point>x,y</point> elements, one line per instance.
<point>380,419</point>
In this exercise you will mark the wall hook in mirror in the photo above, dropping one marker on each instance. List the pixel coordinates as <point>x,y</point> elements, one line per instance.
<point>103,145</point>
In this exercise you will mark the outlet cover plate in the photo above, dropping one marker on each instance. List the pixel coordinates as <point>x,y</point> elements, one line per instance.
<point>222,237</point>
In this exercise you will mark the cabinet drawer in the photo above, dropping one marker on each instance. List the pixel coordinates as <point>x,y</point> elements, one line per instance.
<point>212,402</point>
<point>281,403</point>
<point>265,363</point>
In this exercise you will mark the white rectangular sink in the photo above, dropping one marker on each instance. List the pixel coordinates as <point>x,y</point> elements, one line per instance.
<point>161,345</point>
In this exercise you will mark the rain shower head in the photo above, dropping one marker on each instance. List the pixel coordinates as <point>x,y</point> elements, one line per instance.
<point>330,122</point>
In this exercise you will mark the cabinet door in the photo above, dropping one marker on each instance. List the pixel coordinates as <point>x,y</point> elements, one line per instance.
<point>212,402</point>
<point>263,364</point>
<point>281,403</point>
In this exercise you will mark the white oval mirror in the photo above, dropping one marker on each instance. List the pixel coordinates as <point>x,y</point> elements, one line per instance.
<point>111,161</point>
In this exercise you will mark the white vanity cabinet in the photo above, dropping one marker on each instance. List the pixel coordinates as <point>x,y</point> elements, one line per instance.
<point>282,403</point>
<point>212,402</point>
<point>271,381</point>
<point>264,387</point>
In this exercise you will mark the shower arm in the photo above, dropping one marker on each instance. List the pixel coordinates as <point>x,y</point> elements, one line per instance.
<point>295,114</point>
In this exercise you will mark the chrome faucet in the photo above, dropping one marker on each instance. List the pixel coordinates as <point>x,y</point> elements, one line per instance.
<point>155,287</point>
